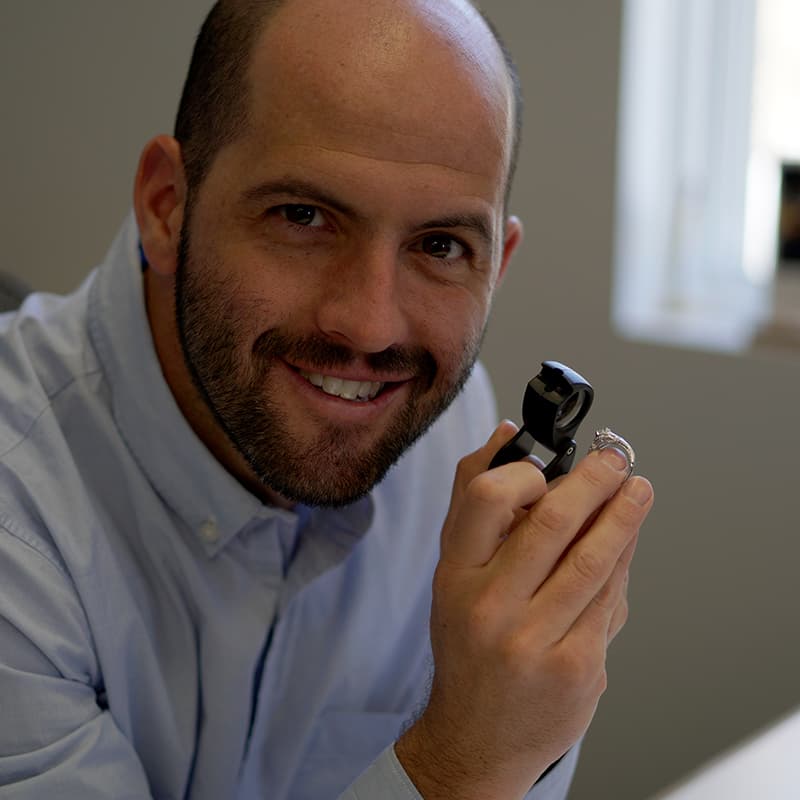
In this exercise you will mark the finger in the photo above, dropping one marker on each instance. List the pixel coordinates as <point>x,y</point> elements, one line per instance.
<point>522,511</point>
<point>536,545</point>
<point>536,461</point>
<point>589,635</point>
<point>596,617</point>
<point>620,615</point>
<point>472,465</point>
<point>613,596</point>
<point>605,548</point>
<point>477,462</point>
<point>487,510</point>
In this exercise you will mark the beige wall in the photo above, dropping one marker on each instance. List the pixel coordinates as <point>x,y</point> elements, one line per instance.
<point>712,648</point>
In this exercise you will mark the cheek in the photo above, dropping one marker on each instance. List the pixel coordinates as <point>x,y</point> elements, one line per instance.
<point>450,324</point>
<point>267,293</point>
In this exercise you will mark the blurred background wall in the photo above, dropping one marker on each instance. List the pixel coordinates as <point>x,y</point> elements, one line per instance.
<point>711,651</point>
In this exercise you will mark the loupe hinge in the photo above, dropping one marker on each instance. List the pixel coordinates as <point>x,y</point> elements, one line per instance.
<point>562,463</point>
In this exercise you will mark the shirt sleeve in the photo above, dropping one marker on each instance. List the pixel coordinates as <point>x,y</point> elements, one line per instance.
<point>55,739</point>
<point>555,783</point>
<point>385,779</point>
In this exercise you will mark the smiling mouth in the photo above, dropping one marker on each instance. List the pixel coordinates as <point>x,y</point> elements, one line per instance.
<point>357,391</point>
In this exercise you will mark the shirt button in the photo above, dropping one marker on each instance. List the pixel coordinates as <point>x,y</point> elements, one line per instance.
<point>209,531</point>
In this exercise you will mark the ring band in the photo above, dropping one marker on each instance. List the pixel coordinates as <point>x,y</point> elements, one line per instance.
<point>605,438</point>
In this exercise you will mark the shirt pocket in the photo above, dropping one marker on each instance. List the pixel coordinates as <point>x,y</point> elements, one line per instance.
<point>343,745</point>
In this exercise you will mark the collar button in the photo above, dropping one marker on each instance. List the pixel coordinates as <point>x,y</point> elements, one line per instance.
<point>209,531</point>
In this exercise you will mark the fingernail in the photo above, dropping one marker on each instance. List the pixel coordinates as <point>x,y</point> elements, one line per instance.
<point>606,439</point>
<point>639,490</point>
<point>615,458</point>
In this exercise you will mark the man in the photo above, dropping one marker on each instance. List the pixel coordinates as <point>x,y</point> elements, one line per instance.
<point>226,461</point>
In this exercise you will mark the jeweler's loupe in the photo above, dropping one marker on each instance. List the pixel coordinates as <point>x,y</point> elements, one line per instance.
<point>556,402</point>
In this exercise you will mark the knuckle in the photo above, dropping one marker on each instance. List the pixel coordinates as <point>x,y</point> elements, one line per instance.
<point>578,667</point>
<point>616,610</point>
<point>626,515</point>
<point>602,683</point>
<point>483,614</point>
<point>623,612</point>
<point>480,616</point>
<point>597,475</point>
<point>487,489</point>
<point>537,477</point>
<point>587,565</point>
<point>607,598</point>
<point>515,654</point>
<point>552,518</point>
<point>465,469</point>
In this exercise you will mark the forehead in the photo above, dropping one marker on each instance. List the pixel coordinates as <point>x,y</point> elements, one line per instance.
<point>420,83</point>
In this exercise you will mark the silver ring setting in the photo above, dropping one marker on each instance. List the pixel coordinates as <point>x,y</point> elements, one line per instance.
<point>605,438</point>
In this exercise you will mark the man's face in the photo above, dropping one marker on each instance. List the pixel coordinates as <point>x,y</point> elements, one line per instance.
<point>339,260</point>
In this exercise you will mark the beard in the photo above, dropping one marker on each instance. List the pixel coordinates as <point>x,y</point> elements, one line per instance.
<point>330,469</point>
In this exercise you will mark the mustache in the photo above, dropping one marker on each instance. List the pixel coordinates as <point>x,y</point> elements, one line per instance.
<point>323,354</point>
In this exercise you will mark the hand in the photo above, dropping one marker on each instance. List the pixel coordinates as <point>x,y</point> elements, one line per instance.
<point>528,593</point>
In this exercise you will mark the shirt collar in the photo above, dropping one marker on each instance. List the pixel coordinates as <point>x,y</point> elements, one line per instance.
<point>180,467</point>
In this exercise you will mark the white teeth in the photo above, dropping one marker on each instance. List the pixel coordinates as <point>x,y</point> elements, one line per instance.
<point>332,385</point>
<point>368,390</point>
<point>347,390</point>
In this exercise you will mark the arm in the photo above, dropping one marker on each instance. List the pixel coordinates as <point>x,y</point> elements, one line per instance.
<point>525,606</point>
<point>55,741</point>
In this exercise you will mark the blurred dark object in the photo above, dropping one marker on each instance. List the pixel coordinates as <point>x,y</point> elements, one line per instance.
<point>789,226</point>
<point>13,291</point>
<point>782,329</point>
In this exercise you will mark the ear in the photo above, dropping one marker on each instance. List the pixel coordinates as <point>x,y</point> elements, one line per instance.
<point>159,199</point>
<point>511,240</point>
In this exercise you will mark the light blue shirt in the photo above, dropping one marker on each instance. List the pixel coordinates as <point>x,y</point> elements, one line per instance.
<point>164,634</point>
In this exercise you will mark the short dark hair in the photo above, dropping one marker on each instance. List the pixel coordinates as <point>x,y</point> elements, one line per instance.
<point>215,101</point>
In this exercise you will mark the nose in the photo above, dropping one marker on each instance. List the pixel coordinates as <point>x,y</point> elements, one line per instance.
<point>361,301</point>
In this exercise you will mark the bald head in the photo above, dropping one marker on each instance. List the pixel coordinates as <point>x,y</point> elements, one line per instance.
<point>384,58</point>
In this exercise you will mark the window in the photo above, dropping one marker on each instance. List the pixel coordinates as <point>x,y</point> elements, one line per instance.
<point>709,112</point>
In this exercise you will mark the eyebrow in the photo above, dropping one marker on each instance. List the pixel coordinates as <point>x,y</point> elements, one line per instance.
<point>479,224</point>
<point>297,188</point>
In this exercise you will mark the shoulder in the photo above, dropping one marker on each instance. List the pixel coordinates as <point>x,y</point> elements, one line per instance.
<point>44,349</point>
<point>45,359</point>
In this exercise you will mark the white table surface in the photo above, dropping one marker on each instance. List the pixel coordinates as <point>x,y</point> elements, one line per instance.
<point>764,767</point>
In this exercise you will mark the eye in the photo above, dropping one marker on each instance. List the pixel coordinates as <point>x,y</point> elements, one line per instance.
<point>307,216</point>
<point>439,245</point>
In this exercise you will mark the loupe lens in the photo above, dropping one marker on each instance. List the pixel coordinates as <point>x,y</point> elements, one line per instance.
<point>570,410</point>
